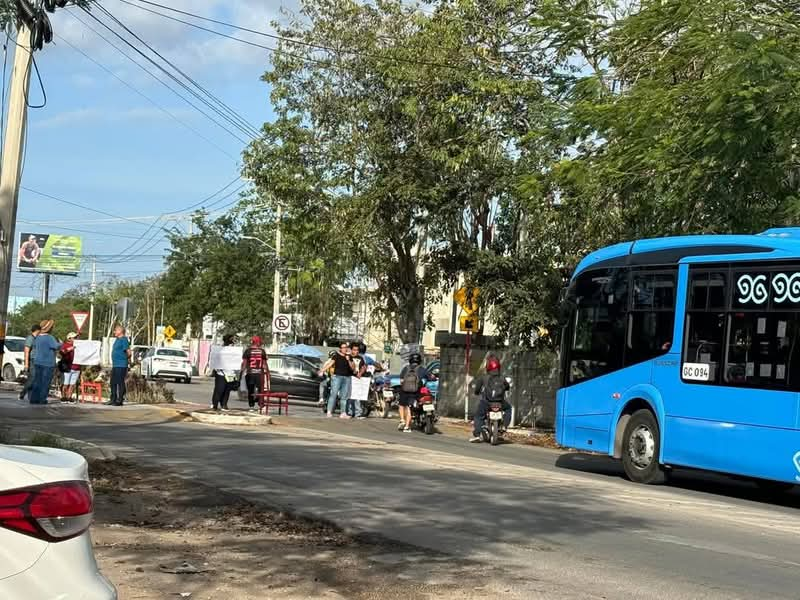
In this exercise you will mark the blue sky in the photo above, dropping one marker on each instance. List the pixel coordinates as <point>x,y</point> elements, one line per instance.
<point>100,144</point>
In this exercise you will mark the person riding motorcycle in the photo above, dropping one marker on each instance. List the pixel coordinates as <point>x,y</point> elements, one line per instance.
<point>491,388</point>
<point>412,378</point>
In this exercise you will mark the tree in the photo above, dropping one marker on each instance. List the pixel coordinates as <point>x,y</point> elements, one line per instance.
<point>400,132</point>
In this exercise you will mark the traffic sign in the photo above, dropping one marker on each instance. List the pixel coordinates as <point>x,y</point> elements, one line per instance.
<point>282,323</point>
<point>79,317</point>
<point>467,298</point>
<point>468,323</point>
<point>169,332</point>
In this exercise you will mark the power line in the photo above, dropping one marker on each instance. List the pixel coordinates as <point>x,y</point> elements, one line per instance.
<point>146,97</point>
<point>83,206</point>
<point>150,73</point>
<point>59,227</point>
<point>276,37</point>
<point>226,112</point>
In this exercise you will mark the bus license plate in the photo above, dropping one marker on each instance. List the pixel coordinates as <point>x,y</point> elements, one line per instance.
<point>495,416</point>
<point>428,407</point>
<point>696,371</point>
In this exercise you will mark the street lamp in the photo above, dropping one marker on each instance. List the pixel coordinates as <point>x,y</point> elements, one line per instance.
<point>276,293</point>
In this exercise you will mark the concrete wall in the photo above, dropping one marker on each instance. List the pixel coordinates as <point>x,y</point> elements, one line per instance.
<point>534,380</point>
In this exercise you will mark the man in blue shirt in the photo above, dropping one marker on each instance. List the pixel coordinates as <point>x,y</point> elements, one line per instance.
<point>120,357</point>
<point>44,350</point>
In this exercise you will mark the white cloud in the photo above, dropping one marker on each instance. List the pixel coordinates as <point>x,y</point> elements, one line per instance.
<point>102,116</point>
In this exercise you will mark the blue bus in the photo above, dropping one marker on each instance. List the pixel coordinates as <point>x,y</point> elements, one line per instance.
<point>685,351</point>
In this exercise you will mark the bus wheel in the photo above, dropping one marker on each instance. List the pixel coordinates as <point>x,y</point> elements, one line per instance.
<point>641,446</point>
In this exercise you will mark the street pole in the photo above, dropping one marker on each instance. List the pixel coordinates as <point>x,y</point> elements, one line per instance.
<point>92,291</point>
<point>276,294</point>
<point>11,169</point>
<point>162,311</point>
<point>46,289</point>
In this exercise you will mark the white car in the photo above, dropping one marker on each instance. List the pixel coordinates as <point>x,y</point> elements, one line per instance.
<point>13,358</point>
<point>167,362</point>
<point>46,507</point>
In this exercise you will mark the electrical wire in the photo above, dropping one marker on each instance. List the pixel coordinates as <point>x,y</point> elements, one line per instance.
<point>275,37</point>
<point>41,85</point>
<point>153,75</point>
<point>77,230</point>
<point>225,111</point>
<point>143,95</point>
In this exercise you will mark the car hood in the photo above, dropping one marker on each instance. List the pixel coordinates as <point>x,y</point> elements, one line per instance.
<point>21,466</point>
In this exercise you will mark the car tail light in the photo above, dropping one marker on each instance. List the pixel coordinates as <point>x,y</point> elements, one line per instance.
<point>52,512</point>
<point>495,407</point>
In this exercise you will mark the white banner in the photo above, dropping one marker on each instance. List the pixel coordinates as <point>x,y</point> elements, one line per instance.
<point>87,353</point>
<point>225,358</point>
<point>359,388</point>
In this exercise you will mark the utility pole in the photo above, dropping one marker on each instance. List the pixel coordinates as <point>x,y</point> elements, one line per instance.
<point>92,292</point>
<point>46,289</point>
<point>11,169</point>
<point>276,293</point>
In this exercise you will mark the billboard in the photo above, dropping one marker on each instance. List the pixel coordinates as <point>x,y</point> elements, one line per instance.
<point>49,253</point>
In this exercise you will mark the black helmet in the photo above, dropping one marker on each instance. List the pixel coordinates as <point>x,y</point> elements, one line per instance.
<point>332,353</point>
<point>415,359</point>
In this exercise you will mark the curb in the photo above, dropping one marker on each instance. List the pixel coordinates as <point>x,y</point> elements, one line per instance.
<point>228,419</point>
<point>88,450</point>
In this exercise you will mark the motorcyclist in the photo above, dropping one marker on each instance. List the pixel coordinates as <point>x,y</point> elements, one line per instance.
<point>491,388</point>
<point>412,378</point>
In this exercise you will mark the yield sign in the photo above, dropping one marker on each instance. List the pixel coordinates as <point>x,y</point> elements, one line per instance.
<point>79,317</point>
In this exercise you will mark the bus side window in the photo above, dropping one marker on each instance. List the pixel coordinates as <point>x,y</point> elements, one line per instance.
<point>705,322</point>
<point>652,316</point>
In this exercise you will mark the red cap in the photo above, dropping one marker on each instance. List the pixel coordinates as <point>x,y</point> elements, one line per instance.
<point>256,340</point>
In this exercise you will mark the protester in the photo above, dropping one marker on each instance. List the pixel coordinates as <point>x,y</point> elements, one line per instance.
<point>69,371</point>
<point>120,359</point>
<point>412,378</point>
<point>224,382</point>
<point>327,376</point>
<point>254,370</point>
<point>354,407</point>
<point>343,370</point>
<point>30,366</point>
<point>44,352</point>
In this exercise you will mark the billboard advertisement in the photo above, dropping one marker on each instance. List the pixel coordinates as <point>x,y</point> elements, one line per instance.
<point>49,253</point>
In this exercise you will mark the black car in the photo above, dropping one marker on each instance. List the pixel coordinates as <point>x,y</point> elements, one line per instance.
<point>294,375</point>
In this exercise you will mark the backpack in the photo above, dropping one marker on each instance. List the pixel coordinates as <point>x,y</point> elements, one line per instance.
<point>411,383</point>
<point>495,389</point>
<point>64,366</point>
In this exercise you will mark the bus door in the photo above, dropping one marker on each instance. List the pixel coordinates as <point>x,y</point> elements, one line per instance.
<point>734,405</point>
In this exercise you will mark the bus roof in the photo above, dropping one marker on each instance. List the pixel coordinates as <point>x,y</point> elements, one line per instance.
<point>772,244</point>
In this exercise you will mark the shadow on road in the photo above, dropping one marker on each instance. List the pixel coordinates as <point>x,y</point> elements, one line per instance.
<point>741,488</point>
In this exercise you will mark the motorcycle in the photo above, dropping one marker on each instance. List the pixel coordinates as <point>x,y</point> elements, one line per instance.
<point>386,397</point>
<point>493,427</point>
<point>423,413</point>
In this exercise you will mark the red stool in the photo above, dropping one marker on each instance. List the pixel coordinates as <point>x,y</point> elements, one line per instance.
<point>267,397</point>
<point>94,389</point>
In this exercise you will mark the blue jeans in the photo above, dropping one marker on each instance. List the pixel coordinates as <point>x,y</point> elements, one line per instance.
<point>340,386</point>
<point>480,415</point>
<point>41,384</point>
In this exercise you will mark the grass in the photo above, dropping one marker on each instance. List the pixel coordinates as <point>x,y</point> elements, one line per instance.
<point>49,440</point>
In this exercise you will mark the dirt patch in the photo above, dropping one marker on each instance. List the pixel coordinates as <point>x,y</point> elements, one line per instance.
<point>160,536</point>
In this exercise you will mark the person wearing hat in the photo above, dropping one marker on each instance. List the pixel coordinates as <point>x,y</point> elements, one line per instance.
<point>69,371</point>
<point>45,348</point>
<point>254,370</point>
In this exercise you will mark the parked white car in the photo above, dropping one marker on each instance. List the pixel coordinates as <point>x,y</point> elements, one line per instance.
<point>46,507</point>
<point>167,362</point>
<point>14,357</point>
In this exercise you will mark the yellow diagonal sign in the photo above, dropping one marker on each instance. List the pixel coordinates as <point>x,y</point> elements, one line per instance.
<point>467,298</point>
<point>169,332</point>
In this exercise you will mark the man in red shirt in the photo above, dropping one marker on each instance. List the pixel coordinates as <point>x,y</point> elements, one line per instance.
<point>254,370</point>
<point>70,371</point>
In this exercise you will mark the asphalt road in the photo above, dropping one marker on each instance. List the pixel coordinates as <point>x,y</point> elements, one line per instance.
<point>561,525</point>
